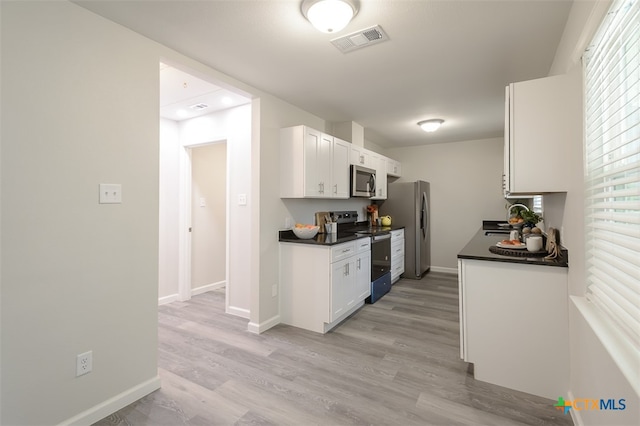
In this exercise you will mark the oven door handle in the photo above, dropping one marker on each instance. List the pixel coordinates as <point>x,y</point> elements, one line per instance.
<point>381,237</point>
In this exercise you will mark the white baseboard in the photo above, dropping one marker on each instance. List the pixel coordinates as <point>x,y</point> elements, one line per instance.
<point>167,299</point>
<point>207,287</point>
<point>203,289</point>
<point>445,270</point>
<point>252,327</point>
<point>239,312</point>
<point>111,405</point>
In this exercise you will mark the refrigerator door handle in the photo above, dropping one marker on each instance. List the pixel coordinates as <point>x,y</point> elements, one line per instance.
<point>424,219</point>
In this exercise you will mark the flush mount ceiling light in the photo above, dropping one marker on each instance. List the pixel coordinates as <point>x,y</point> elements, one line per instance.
<point>329,16</point>
<point>431,125</point>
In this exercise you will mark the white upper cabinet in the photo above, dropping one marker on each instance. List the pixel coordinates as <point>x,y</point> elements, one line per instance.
<point>542,120</point>
<point>313,164</point>
<point>379,163</point>
<point>394,168</point>
<point>340,169</point>
<point>361,156</point>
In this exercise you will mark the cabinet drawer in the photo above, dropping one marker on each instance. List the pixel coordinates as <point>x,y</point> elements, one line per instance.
<point>363,244</point>
<point>397,234</point>
<point>397,261</point>
<point>343,251</point>
<point>397,249</point>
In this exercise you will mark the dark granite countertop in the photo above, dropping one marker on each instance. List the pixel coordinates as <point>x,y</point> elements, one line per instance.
<point>478,249</point>
<point>344,235</point>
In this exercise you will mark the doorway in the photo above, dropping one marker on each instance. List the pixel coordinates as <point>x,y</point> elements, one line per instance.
<point>208,217</point>
<point>197,115</point>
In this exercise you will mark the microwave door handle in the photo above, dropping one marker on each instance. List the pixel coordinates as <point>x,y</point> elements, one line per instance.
<point>373,180</point>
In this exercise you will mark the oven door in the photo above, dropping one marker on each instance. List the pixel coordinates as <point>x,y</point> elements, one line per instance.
<point>380,255</point>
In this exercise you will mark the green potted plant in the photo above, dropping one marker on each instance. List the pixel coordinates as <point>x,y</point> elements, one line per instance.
<point>530,217</point>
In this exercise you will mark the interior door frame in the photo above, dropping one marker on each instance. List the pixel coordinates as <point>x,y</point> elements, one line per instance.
<point>185,221</point>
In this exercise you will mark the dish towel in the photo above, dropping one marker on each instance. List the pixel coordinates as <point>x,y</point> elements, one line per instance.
<point>553,243</point>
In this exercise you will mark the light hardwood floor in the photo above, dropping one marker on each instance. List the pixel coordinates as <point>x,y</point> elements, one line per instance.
<point>392,363</point>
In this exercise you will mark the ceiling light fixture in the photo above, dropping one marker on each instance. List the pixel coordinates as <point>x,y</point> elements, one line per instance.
<point>431,125</point>
<point>329,16</point>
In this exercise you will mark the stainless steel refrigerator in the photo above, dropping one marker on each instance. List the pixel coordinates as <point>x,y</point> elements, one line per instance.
<point>408,205</point>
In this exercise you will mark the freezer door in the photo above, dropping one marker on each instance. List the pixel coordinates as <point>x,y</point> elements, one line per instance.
<point>424,237</point>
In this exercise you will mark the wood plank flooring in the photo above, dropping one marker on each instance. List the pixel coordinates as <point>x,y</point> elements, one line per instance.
<point>395,362</point>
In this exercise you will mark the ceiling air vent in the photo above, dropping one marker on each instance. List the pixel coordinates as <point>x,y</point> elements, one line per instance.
<point>360,39</point>
<point>199,107</point>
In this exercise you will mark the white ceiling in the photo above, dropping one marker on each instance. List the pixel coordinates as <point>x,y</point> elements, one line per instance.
<point>184,96</point>
<point>445,59</point>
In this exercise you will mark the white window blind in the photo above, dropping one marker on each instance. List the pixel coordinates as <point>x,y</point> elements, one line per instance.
<point>612,168</point>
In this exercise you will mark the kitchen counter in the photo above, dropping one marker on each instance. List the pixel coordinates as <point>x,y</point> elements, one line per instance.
<point>345,234</point>
<point>478,249</point>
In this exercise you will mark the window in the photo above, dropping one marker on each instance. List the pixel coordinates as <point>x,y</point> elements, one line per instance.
<point>612,168</point>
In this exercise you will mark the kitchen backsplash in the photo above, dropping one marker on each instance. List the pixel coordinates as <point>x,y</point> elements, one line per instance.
<point>303,210</point>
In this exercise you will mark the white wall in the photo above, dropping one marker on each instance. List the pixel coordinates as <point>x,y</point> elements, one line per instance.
<point>465,182</point>
<point>79,108</point>
<point>169,210</point>
<point>274,114</point>
<point>595,366</point>
<point>76,275</point>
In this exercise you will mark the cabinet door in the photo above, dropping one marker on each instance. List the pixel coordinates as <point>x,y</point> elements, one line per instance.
<point>340,169</point>
<point>325,154</point>
<point>312,178</point>
<point>393,168</point>
<point>340,278</point>
<point>360,156</point>
<point>544,119</point>
<point>506,175</point>
<point>363,277</point>
<point>380,165</point>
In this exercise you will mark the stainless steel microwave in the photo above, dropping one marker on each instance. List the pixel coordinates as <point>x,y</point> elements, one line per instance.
<point>363,182</point>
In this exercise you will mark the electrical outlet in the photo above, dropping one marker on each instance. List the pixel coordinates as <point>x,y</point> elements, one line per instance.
<point>110,193</point>
<point>84,363</point>
<point>274,290</point>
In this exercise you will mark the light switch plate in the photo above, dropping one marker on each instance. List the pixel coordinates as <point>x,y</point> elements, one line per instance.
<point>110,193</point>
<point>242,199</point>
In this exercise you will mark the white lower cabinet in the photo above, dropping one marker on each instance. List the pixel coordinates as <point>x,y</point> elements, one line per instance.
<point>363,269</point>
<point>397,254</point>
<point>322,285</point>
<point>514,325</point>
